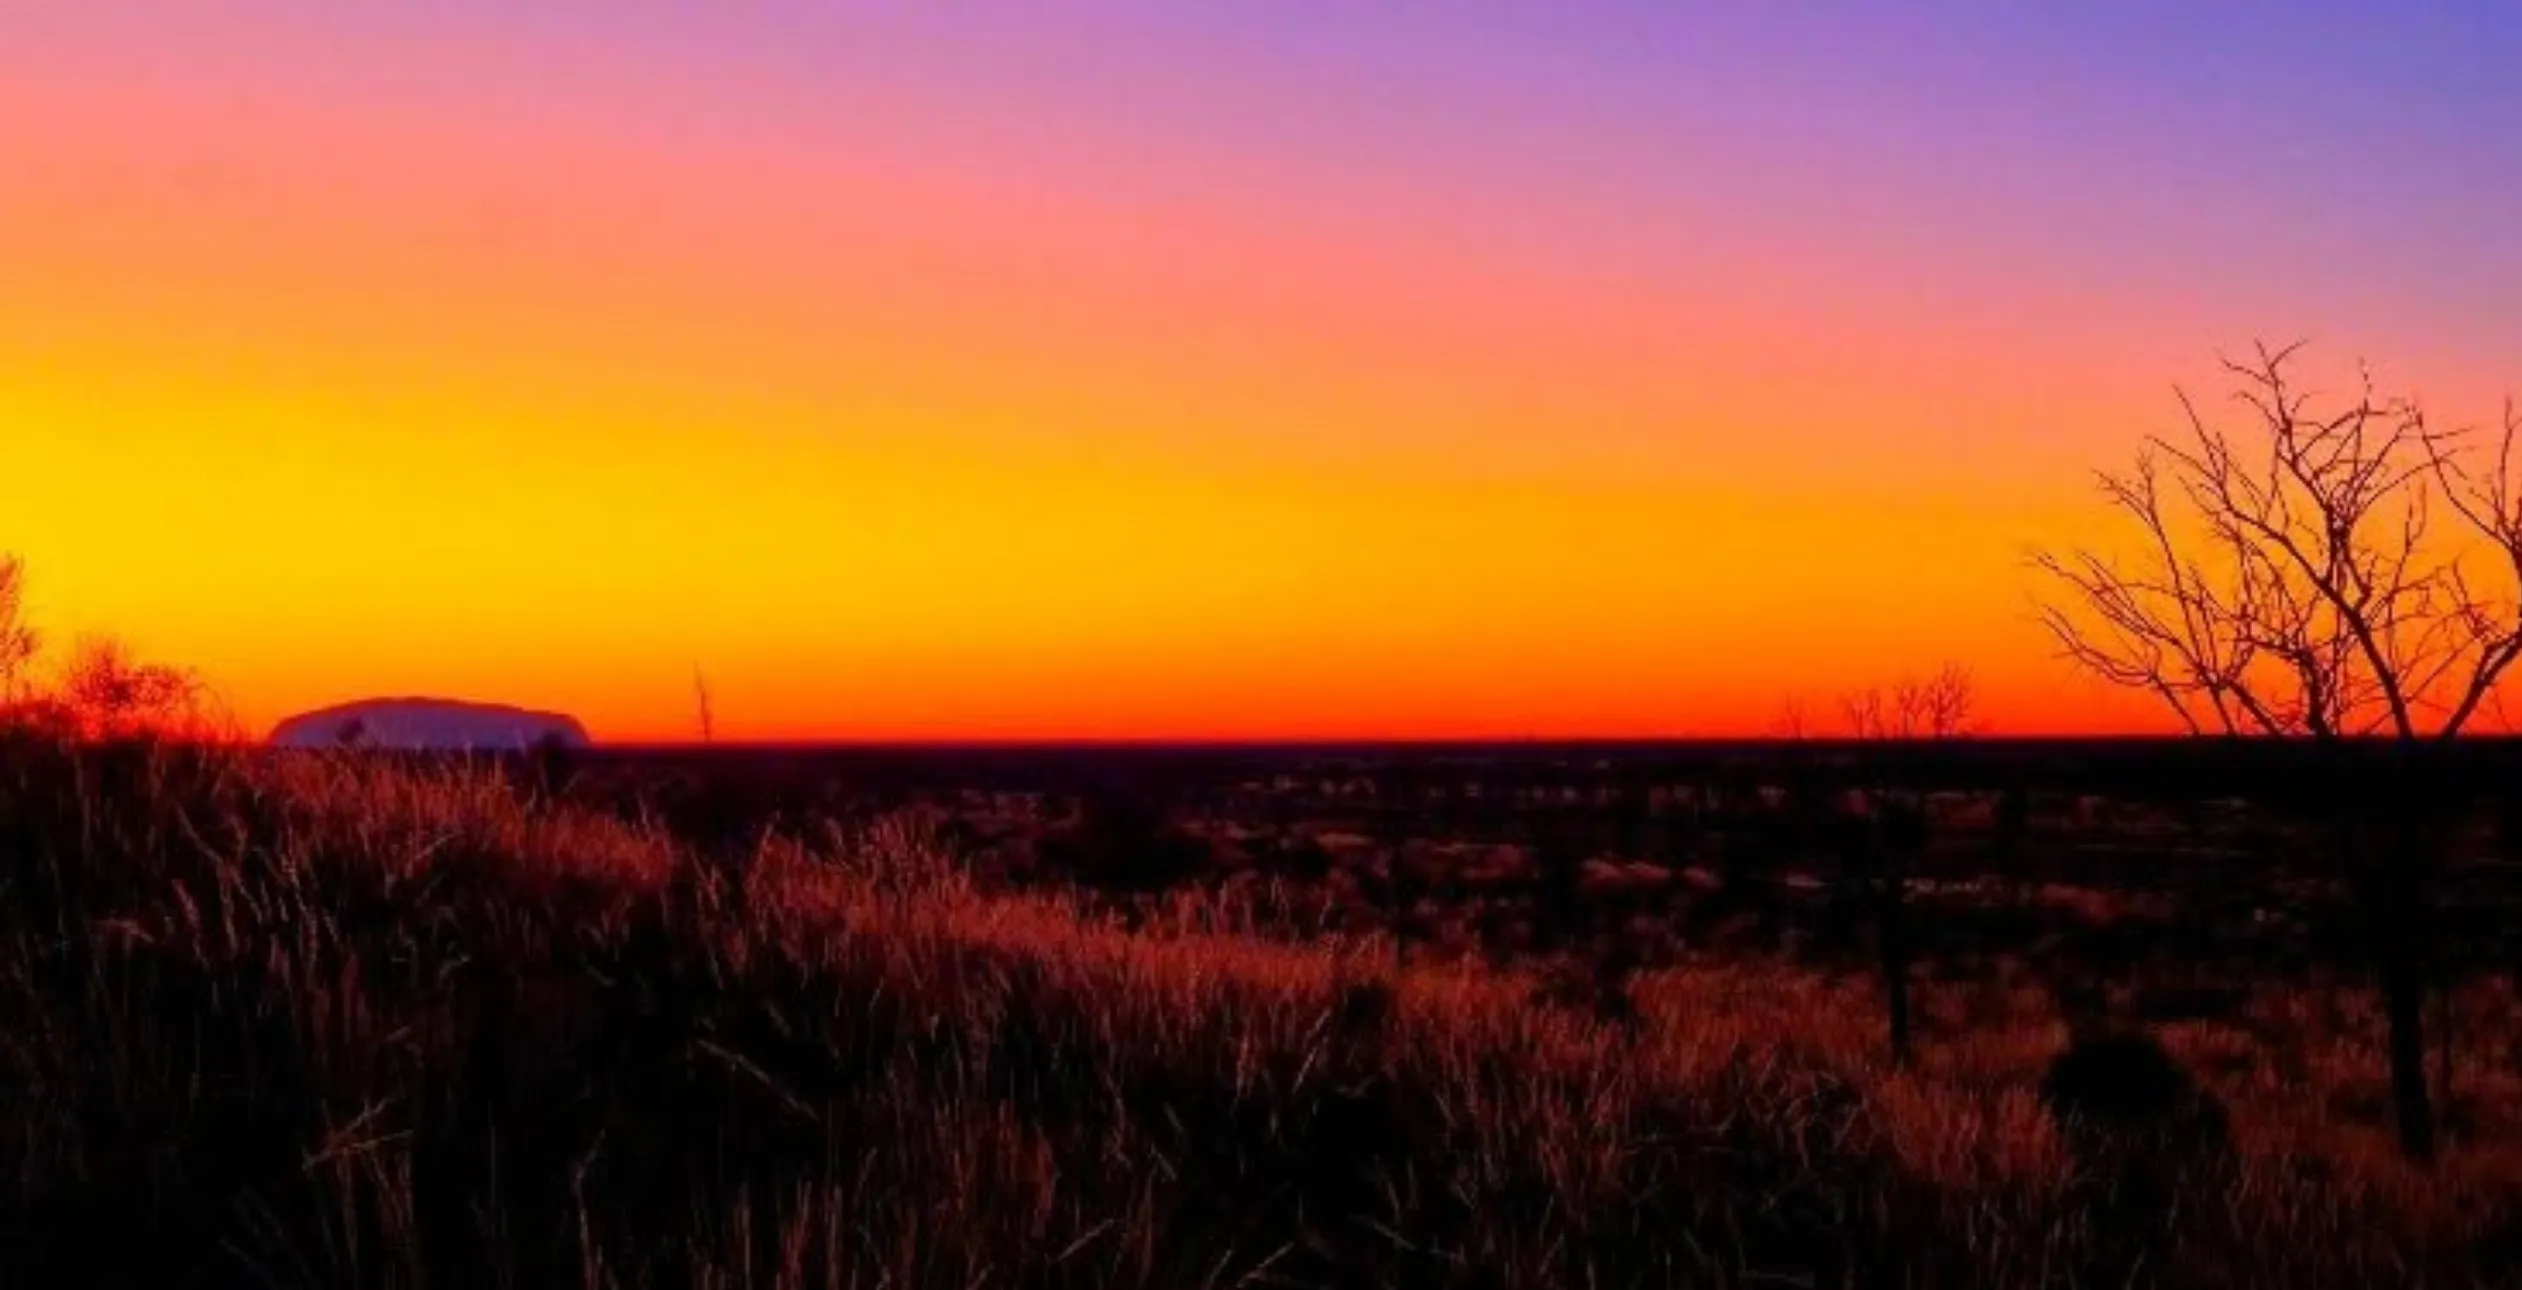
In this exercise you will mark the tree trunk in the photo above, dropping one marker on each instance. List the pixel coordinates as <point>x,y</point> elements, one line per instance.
<point>2397,877</point>
<point>2404,1002</point>
<point>1892,937</point>
<point>2442,1042</point>
<point>1901,833</point>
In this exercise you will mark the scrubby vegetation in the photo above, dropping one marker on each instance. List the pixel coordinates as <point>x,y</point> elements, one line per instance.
<point>323,1020</point>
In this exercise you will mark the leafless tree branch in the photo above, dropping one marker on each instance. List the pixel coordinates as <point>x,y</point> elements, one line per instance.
<point>2296,577</point>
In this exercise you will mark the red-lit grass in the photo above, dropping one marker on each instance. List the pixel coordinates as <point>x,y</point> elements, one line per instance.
<point>319,1021</point>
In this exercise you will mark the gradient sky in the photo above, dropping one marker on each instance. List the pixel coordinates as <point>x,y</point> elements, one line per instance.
<point>988,370</point>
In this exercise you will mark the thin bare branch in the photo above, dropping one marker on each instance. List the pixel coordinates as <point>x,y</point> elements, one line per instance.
<point>2292,577</point>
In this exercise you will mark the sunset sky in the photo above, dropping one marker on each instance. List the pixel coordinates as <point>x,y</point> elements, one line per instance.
<point>1166,369</point>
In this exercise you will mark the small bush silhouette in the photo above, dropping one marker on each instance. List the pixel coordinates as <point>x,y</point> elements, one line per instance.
<point>2121,1099</point>
<point>1121,844</point>
<point>2124,1082</point>
<point>2144,1135</point>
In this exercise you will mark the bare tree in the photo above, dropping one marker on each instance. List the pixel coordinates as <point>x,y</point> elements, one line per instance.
<point>2325,572</point>
<point>18,641</point>
<point>1882,843</point>
<point>2301,578</point>
<point>704,712</point>
<point>1940,705</point>
<point>1791,723</point>
<point>1868,714</point>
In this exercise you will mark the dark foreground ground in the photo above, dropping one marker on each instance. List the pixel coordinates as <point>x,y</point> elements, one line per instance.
<point>1483,1017</point>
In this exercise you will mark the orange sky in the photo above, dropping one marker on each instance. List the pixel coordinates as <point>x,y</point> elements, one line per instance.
<point>473,380</point>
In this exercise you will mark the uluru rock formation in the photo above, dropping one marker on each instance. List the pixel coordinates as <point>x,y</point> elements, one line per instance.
<point>429,724</point>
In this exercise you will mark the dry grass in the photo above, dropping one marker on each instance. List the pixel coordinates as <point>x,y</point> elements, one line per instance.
<point>313,1022</point>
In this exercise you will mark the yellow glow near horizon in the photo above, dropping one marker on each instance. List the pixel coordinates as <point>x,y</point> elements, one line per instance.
<point>332,399</point>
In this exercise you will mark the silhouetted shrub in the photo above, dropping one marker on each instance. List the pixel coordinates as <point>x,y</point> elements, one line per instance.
<point>2123,1084</point>
<point>1293,855</point>
<point>2145,1138</point>
<point>1121,844</point>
